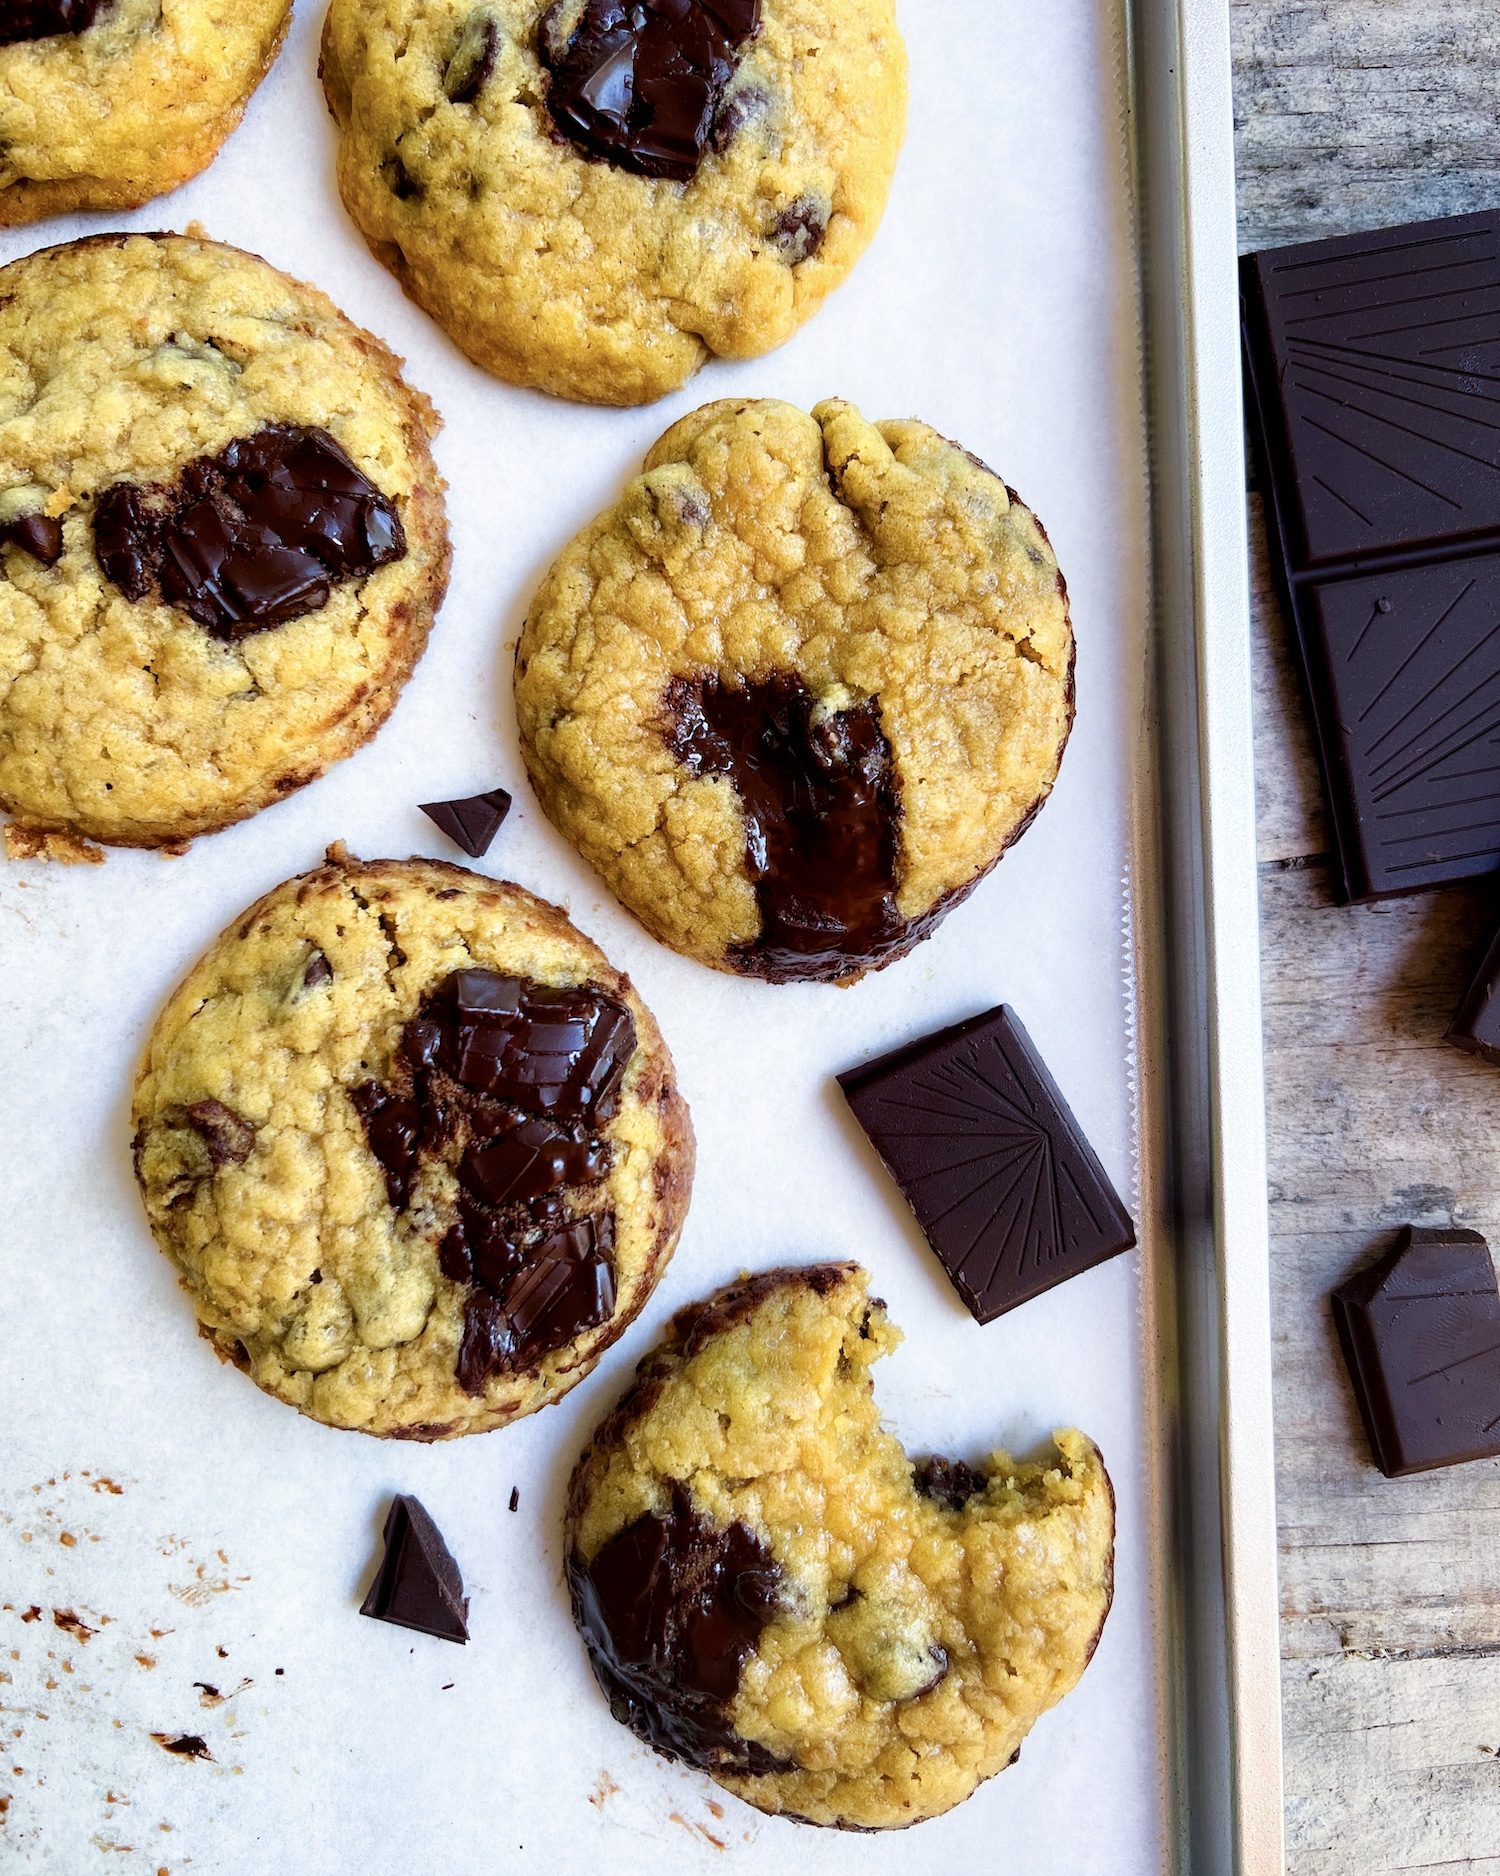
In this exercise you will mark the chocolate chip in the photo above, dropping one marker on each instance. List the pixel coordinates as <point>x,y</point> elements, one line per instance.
<point>948,1482</point>
<point>640,81</point>
<point>798,230</point>
<point>508,1083</point>
<point>318,971</point>
<point>471,821</point>
<point>744,106</point>
<point>418,1584</point>
<point>252,537</point>
<point>668,1622</point>
<point>46,19</point>
<point>822,816</point>
<point>39,535</point>
<point>473,57</point>
<point>399,179</point>
<point>229,1137</point>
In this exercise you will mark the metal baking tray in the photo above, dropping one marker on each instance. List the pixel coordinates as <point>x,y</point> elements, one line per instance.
<point>1201,964</point>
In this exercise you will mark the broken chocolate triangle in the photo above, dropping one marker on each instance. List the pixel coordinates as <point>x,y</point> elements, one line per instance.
<point>1420,1331</point>
<point>1011,1196</point>
<point>418,1584</point>
<point>471,822</point>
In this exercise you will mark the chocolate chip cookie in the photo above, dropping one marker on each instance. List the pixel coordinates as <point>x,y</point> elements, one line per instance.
<point>771,1590</point>
<point>107,103</point>
<point>414,1147</point>
<point>222,539</point>
<point>800,687</point>
<point>593,197</point>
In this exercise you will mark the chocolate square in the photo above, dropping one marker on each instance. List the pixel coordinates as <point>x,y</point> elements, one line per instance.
<point>1408,666</point>
<point>1420,1330</point>
<point>974,1130</point>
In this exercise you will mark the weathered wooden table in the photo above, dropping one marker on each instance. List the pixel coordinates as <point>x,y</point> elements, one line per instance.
<point>1354,114</point>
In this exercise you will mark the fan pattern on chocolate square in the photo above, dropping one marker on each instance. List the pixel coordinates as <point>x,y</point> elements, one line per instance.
<point>1388,351</point>
<point>1007,1190</point>
<point>1412,661</point>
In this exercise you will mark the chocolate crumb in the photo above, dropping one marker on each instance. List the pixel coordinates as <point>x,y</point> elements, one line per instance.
<point>184,1745</point>
<point>515,1496</point>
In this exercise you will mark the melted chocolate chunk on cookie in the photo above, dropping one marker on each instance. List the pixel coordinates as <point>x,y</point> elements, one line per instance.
<point>822,814</point>
<point>45,19</point>
<point>669,1608</point>
<point>39,535</point>
<point>252,537</point>
<point>508,1083</point>
<point>641,81</point>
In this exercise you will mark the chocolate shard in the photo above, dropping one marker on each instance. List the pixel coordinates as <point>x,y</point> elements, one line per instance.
<point>472,821</point>
<point>670,1607</point>
<point>640,82</point>
<point>973,1129</point>
<point>46,19</point>
<point>1373,361</point>
<point>1476,1022</point>
<point>418,1584</point>
<point>253,537</point>
<point>1420,1331</point>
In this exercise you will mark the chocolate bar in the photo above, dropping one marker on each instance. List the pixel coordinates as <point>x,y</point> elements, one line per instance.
<point>1374,367</point>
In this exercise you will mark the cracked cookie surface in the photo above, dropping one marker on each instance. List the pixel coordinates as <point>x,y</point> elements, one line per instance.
<point>771,1590</point>
<point>483,158</point>
<point>128,107</point>
<point>800,687</point>
<point>350,1292</point>
<point>129,366</point>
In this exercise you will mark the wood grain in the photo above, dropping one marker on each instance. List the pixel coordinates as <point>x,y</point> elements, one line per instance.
<point>1352,114</point>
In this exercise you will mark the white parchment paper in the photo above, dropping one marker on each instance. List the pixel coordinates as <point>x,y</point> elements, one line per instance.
<point>208,1534</point>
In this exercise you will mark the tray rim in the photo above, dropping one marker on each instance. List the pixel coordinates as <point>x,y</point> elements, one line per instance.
<point>1205,1185</point>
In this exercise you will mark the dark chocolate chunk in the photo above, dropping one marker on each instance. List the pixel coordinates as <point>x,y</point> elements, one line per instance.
<point>669,1608</point>
<point>1374,362</point>
<point>473,59</point>
<point>39,535</point>
<point>1420,1331</point>
<point>418,1584</point>
<point>228,1136</point>
<point>974,1131</point>
<point>508,1083</point>
<point>563,1285</point>
<point>948,1482</point>
<point>45,19</point>
<point>252,537</point>
<point>822,814</point>
<point>472,821</point>
<point>1476,1022</point>
<point>640,81</point>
